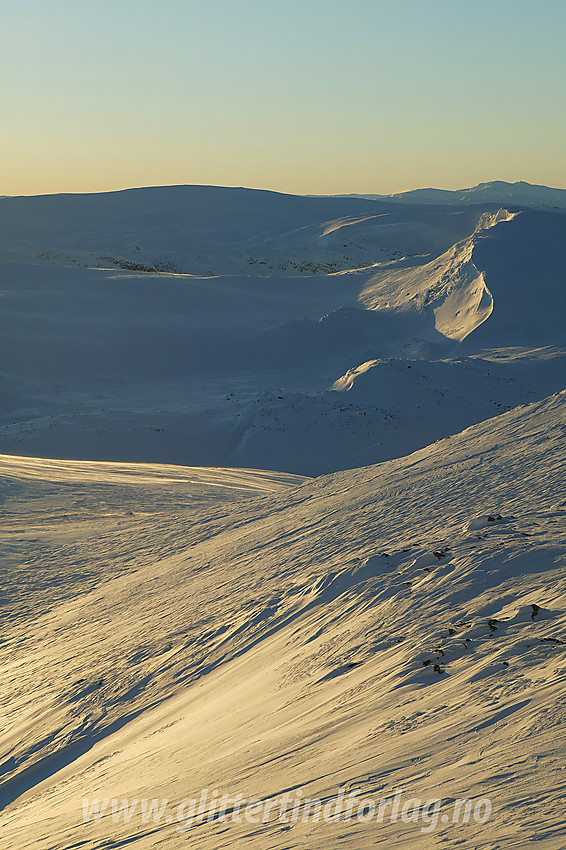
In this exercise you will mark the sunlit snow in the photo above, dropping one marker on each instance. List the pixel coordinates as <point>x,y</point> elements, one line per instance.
<point>283,516</point>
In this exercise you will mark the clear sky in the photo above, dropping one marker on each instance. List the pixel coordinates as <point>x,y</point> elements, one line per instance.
<point>305,96</point>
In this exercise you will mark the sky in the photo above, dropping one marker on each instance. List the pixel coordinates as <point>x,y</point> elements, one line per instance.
<point>301,96</point>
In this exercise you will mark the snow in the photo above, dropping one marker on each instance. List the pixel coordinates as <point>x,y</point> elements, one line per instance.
<point>209,230</point>
<point>186,609</point>
<point>233,645</point>
<point>495,192</point>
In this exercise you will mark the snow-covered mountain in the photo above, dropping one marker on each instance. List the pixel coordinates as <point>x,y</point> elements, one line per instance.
<point>211,230</point>
<point>498,192</point>
<point>202,644</point>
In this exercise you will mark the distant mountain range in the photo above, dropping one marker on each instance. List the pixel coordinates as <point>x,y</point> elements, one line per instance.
<point>496,192</point>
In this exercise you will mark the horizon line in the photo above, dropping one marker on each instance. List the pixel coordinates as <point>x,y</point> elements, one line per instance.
<point>279,192</point>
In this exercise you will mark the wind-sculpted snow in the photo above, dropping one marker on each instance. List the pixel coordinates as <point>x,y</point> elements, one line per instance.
<point>409,618</point>
<point>384,407</point>
<point>524,268</point>
<point>501,287</point>
<point>450,288</point>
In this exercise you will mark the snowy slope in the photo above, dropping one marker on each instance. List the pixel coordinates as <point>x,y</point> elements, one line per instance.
<point>210,230</point>
<point>399,628</point>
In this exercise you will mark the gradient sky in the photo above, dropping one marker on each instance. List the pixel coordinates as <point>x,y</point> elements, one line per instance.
<point>304,96</point>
